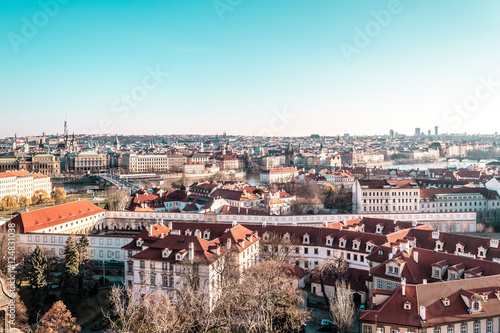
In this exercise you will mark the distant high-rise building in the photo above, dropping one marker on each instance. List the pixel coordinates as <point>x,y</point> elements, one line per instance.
<point>391,134</point>
<point>429,132</point>
<point>436,131</point>
<point>417,131</point>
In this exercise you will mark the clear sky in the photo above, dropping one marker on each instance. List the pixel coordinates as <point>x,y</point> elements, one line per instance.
<point>291,67</point>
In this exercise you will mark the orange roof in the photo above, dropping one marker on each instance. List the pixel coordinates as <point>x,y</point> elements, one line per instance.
<point>14,173</point>
<point>278,170</point>
<point>53,216</point>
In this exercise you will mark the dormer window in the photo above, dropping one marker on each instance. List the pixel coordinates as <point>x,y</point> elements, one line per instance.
<point>459,248</point>
<point>446,301</point>
<point>437,273</point>
<point>329,241</point>
<point>407,305</point>
<point>178,257</point>
<point>342,242</point>
<point>369,247</point>
<point>439,246</point>
<point>305,239</point>
<point>139,242</point>
<point>165,253</point>
<point>206,234</point>
<point>379,229</point>
<point>476,305</point>
<point>265,237</point>
<point>355,245</point>
<point>481,252</point>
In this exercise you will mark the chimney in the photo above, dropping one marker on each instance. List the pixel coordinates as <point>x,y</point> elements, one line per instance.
<point>415,256</point>
<point>191,251</point>
<point>170,225</point>
<point>238,210</point>
<point>403,286</point>
<point>161,222</point>
<point>228,244</point>
<point>151,230</point>
<point>422,313</point>
<point>424,281</point>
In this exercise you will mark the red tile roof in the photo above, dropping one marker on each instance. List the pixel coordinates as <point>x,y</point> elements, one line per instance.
<point>53,216</point>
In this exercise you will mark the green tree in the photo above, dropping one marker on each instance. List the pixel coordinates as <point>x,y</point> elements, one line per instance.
<point>70,291</point>
<point>85,280</point>
<point>38,281</point>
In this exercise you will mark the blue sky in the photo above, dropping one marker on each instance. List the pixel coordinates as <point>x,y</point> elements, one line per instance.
<point>291,67</point>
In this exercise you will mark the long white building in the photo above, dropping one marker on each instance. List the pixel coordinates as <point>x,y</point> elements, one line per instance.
<point>23,184</point>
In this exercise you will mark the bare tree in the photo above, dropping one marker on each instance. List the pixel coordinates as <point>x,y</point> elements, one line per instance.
<point>267,301</point>
<point>342,307</point>
<point>279,248</point>
<point>335,268</point>
<point>117,199</point>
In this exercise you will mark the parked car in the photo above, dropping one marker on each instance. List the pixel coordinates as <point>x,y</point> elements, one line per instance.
<point>327,326</point>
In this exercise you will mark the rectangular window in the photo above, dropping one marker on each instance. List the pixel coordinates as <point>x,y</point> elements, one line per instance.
<point>306,250</point>
<point>165,281</point>
<point>489,326</point>
<point>143,264</point>
<point>389,285</point>
<point>348,256</point>
<point>476,327</point>
<point>450,329</point>
<point>316,251</point>
<point>437,330</point>
<point>153,280</point>
<point>328,253</point>
<point>368,329</point>
<point>379,284</point>
<point>463,328</point>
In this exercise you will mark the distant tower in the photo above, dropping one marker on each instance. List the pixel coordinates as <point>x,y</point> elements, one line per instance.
<point>117,143</point>
<point>429,132</point>
<point>14,143</point>
<point>391,133</point>
<point>66,125</point>
<point>436,131</point>
<point>202,148</point>
<point>417,131</point>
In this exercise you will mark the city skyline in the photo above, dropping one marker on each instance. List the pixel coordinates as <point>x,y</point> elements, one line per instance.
<point>249,68</point>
